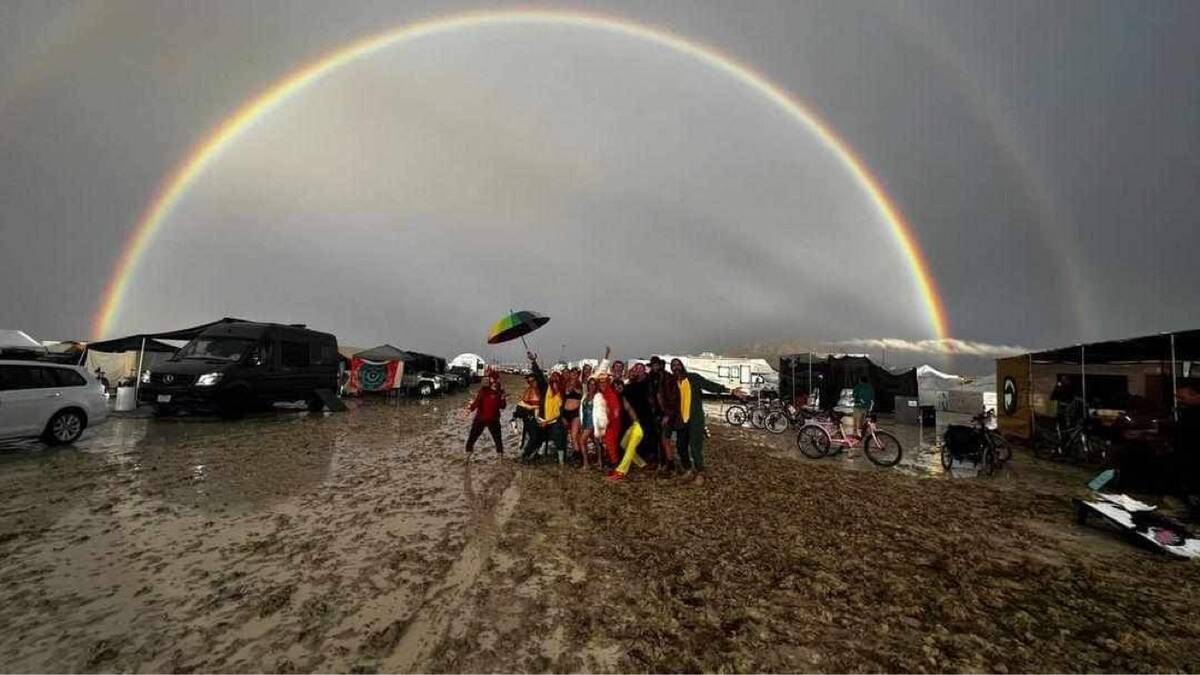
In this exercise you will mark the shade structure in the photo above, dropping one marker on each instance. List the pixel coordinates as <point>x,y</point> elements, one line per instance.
<point>515,325</point>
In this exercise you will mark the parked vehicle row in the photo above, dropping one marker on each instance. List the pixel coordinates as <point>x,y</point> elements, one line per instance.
<point>230,368</point>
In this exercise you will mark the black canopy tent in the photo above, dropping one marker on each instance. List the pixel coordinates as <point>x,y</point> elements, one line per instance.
<point>417,361</point>
<point>831,374</point>
<point>144,342</point>
<point>131,343</point>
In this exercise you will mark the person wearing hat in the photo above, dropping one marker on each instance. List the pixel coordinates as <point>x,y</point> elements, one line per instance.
<point>486,405</point>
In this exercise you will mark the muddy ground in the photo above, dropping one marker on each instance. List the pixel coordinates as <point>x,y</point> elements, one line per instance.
<point>363,541</point>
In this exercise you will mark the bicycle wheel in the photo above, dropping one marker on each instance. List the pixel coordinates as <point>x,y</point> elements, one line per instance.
<point>987,462</point>
<point>736,415</point>
<point>1003,449</point>
<point>947,458</point>
<point>813,441</point>
<point>777,422</point>
<point>883,449</point>
<point>758,418</point>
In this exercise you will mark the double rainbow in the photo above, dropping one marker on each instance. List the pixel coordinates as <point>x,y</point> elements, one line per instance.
<point>211,146</point>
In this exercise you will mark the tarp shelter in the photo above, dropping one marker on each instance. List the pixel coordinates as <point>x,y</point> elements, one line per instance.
<point>1138,376</point>
<point>16,339</point>
<point>142,344</point>
<point>799,373</point>
<point>120,358</point>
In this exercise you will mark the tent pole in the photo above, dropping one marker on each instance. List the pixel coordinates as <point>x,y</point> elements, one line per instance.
<point>137,377</point>
<point>1174,383</point>
<point>1029,393</point>
<point>810,371</point>
<point>1083,377</point>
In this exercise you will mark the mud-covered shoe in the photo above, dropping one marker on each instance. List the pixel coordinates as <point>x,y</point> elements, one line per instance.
<point>616,476</point>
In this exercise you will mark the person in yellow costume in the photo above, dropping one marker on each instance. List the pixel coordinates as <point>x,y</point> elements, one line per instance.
<point>629,443</point>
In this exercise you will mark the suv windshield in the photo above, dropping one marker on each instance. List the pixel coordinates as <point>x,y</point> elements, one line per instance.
<point>216,348</point>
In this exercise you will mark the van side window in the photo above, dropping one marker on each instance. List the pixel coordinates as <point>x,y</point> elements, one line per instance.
<point>63,377</point>
<point>294,354</point>
<point>322,353</point>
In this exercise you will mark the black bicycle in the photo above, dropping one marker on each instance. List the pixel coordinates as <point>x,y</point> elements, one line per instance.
<point>1072,444</point>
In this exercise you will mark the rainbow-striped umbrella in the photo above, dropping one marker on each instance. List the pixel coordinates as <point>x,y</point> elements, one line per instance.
<point>516,325</point>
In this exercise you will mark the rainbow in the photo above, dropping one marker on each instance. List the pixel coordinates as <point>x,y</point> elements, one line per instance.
<point>211,146</point>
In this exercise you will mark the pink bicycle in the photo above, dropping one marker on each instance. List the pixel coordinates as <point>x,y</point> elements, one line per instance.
<point>823,435</point>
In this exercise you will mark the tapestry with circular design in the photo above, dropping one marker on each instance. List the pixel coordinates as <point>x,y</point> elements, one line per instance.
<point>373,376</point>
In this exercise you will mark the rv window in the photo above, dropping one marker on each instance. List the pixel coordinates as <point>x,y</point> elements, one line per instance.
<point>746,375</point>
<point>294,354</point>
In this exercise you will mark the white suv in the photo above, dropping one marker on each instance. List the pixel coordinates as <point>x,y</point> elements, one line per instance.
<point>48,400</point>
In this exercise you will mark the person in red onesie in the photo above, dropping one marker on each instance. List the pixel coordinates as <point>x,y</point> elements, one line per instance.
<point>487,404</point>
<point>612,432</point>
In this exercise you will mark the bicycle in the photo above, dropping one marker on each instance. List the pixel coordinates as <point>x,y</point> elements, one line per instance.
<point>815,440</point>
<point>789,416</point>
<point>1073,444</point>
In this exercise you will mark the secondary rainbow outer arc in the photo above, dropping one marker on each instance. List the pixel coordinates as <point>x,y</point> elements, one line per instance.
<point>210,147</point>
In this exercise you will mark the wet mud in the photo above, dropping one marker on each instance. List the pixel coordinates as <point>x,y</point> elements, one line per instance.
<point>366,542</point>
<point>282,542</point>
<point>779,563</point>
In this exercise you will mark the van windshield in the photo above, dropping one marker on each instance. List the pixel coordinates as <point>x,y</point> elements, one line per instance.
<point>216,348</point>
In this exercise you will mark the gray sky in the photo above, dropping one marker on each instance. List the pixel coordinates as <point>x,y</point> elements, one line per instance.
<point>1046,154</point>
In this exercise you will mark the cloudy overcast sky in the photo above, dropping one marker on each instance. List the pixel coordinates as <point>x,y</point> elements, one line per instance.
<point>1047,156</point>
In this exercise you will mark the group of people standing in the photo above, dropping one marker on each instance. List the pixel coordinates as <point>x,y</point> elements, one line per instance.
<point>609,416</point>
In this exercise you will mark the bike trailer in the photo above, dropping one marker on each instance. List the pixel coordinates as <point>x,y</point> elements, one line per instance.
<point>961,439</point>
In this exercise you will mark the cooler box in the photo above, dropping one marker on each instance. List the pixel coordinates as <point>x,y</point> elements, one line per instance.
<point>126,399</point>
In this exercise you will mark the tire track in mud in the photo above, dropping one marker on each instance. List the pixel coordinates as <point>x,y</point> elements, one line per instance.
<point>444,602</point>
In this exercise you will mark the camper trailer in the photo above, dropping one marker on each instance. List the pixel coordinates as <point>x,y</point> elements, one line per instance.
<point>755,376</point>
<point>472,362</point>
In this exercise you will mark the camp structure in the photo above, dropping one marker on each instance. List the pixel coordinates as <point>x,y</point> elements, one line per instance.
<point>734,372</point>
<point>127,356</point>
<point>473,362</point>
<point>387,368</point>
<point>1137,378</point>
<point>954,393</point>
<point>827,375</point>
<point>16,344</point>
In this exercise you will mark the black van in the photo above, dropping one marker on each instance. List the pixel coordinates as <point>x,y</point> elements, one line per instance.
<point>232,367</point>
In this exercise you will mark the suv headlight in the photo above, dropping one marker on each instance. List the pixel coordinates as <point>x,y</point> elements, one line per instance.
<point>208,379</point>
<point>145,377</point>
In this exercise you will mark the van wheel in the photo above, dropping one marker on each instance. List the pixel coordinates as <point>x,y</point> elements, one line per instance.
<point>65,427</point>
<point>315,404</point>
<point>425,389</point>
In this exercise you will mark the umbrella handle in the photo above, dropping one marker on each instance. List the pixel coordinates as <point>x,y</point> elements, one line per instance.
<point>526,344</point>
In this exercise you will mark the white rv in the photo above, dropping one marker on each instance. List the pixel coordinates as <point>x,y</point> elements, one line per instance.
<point>474,362</point>
<point>755,376</point>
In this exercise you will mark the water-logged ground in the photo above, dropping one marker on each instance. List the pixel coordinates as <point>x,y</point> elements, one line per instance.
<point>285,541</point>
<point>363,541</point>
